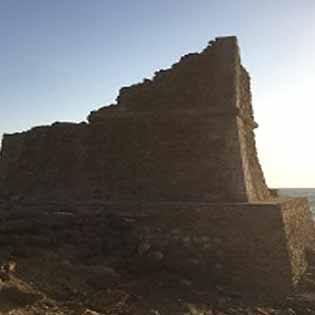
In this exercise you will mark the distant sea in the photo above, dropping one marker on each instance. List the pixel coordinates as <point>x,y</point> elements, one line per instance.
<point>309,193</point>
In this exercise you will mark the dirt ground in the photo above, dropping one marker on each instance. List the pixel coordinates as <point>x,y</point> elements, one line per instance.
<point>52,284</point>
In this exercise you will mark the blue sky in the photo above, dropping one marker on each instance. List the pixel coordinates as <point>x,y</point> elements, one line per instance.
<point>61,59</point>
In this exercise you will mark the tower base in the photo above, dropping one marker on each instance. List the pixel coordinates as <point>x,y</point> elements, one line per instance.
<point>256,248</point>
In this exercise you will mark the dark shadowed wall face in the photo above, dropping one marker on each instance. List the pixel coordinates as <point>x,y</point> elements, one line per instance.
<point>185,135</point>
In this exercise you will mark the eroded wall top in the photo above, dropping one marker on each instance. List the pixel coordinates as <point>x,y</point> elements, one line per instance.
<point>199,81</point>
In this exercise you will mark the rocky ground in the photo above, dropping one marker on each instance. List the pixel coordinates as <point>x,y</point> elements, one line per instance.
<point>79,262</point>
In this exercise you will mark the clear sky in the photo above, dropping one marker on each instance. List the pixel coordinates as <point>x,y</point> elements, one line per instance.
<point>60,59</point>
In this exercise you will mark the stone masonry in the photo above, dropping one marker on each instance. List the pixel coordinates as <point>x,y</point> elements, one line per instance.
<point>187,134</point>
<point>177,155</point>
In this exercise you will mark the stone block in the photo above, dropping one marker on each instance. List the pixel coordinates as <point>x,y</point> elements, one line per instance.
<point>256,248</point>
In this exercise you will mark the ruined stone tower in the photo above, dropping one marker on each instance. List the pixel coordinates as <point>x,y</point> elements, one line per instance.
<point>179,151</point>
<point>185,135</point>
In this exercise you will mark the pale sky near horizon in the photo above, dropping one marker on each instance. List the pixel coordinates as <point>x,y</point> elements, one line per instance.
<point>61,59</point>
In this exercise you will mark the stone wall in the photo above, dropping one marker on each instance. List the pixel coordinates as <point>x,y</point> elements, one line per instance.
<point>176,159</point>
<point>257,248</point>
<point>187,135</point>
<point>248,248</point>
<point>41,160</point>
<point>130,157</point>
<point>199,81</point>
<point>254,178</point>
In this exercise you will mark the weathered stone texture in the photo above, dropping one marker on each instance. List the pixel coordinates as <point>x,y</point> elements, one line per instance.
<point>202,81</point>
<point>254,178</point>
<point>257,248</point>
<point>140,162</point>
<point>251,248</point>
<point>187,134</point>
<point>176,155</point>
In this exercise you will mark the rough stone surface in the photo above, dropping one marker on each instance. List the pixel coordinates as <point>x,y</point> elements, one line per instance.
<point>253,247</point>
<point>166,179</point>
<point>187,134</point>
